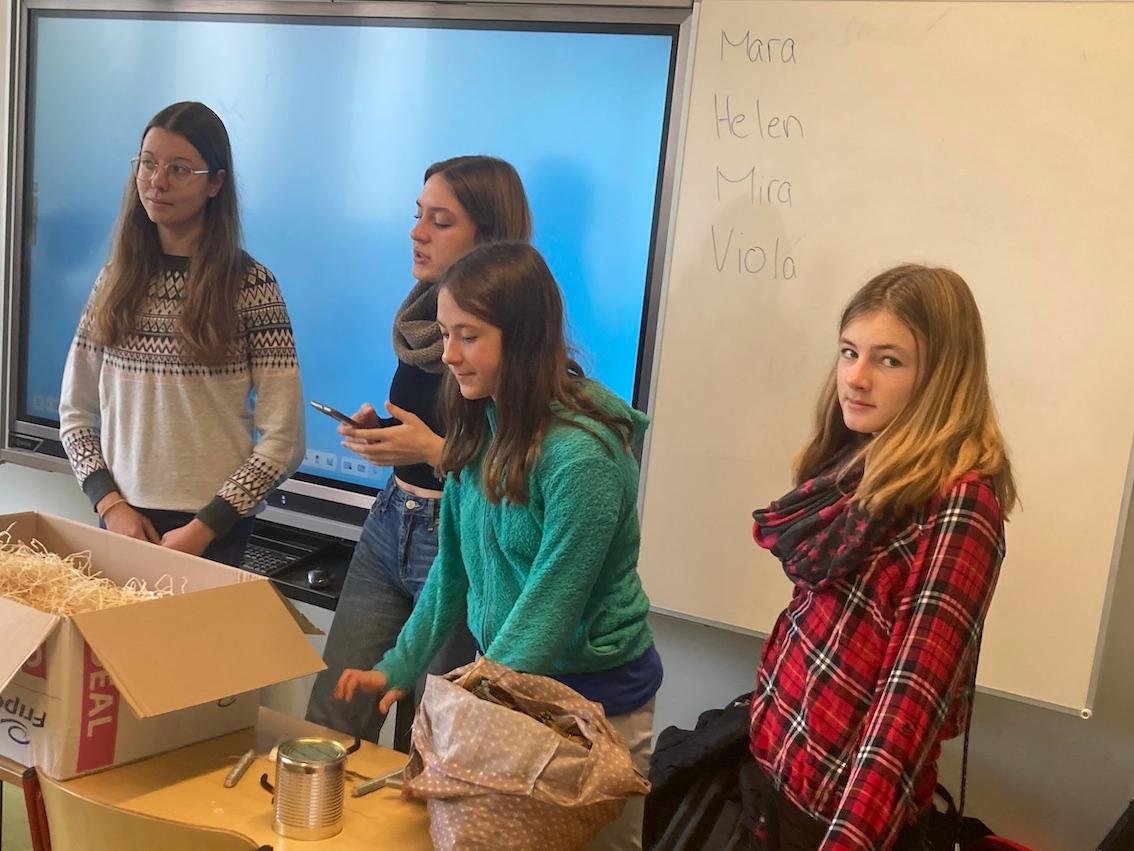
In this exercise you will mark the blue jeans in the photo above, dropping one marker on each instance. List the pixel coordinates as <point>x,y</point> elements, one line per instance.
<point>385,578</point>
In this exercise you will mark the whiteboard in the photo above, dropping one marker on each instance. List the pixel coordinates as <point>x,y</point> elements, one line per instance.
<point>827,141</point>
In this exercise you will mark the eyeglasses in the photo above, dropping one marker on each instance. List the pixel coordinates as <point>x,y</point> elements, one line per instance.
<point>177,174</point>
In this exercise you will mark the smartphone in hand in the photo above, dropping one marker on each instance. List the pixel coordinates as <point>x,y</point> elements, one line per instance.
<point>335,414</point>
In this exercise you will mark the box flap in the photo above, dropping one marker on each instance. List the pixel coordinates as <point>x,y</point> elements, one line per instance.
<point>190,649</point>
<point>25,629</point>
<point>300,619</point>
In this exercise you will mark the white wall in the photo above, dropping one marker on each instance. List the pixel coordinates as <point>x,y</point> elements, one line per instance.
<point>1053,781</point>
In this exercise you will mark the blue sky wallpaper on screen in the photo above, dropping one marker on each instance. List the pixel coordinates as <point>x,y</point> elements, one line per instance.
<point>332,126</point>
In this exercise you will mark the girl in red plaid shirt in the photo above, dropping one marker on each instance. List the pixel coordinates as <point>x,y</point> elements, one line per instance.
<point>892,539</point>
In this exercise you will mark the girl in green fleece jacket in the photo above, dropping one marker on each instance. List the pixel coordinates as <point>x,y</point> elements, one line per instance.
<point>539,523</point>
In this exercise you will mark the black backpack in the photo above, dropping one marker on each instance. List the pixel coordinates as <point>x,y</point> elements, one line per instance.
<point>704,792</point>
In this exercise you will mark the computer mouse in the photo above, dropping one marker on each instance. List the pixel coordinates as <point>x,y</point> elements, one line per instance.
<point>317,577</point>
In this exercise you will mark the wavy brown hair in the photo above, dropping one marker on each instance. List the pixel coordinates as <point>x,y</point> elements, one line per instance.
<point>217,268</point>
<point>508,285</point>
<point>949,426</point>
<point>492,194</point>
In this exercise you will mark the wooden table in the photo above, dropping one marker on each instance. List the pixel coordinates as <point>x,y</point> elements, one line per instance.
<point>186,785</point>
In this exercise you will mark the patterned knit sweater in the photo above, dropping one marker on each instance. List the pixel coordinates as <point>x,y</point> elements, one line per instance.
<point>168,432</point>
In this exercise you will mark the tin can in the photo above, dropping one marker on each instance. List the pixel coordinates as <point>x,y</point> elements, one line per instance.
<point>310,774</point>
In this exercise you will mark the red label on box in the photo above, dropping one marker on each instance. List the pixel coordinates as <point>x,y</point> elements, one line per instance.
<point>36,666</point>
<point>99,718</point>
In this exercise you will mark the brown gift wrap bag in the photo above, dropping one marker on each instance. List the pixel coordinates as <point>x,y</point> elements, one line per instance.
<point>509,761</point>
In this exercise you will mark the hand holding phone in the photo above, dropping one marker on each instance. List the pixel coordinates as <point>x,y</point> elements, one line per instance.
<point>335,414</point>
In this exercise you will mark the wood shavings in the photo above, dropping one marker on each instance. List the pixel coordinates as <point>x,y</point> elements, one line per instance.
<point>65,585</point>
<point>565,725</point>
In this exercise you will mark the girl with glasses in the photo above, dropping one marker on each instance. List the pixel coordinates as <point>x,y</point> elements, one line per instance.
<point>539,522</point>
<point>181,406</point>
<point>892,539</point>
<point>464,202</point>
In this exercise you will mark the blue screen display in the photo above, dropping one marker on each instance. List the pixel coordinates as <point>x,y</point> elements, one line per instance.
<point>333,124</point>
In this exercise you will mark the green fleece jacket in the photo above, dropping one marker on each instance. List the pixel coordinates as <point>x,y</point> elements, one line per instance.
<point>550,587</point>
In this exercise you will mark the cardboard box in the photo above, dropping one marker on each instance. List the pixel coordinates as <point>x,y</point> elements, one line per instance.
<point>86,692</point>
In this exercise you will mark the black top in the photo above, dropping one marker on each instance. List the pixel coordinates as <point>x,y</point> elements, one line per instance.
<point>418,391</point>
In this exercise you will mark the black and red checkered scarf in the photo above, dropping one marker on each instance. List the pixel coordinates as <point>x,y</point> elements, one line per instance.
<point>816,531</point>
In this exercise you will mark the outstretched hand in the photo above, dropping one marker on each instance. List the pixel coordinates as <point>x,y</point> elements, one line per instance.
<point>373,682</point>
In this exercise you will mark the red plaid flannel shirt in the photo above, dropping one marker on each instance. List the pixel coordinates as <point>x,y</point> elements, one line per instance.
<point>861,681</point>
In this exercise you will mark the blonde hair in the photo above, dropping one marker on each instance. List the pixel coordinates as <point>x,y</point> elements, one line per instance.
<point>949,426</point>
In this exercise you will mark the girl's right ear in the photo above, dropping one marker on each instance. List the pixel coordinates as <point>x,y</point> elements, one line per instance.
<point>216,182</point>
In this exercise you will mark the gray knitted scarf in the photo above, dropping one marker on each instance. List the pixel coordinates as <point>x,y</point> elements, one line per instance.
<point>417,337</point>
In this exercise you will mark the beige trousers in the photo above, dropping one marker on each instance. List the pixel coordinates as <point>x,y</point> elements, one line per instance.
<point>625,832</point>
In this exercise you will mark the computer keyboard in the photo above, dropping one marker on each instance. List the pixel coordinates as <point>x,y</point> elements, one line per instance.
<point>267,561</point>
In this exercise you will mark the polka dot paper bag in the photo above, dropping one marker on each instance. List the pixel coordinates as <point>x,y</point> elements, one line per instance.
<point>509,762</point>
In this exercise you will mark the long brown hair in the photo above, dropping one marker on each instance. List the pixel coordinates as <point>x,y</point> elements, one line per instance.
<point>492,194</point>
<point>217,268</point>
<point>508,285</point>
<point>949,426</point>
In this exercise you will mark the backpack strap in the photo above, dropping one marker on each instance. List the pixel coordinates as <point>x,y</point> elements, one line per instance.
<point>960,810</point>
